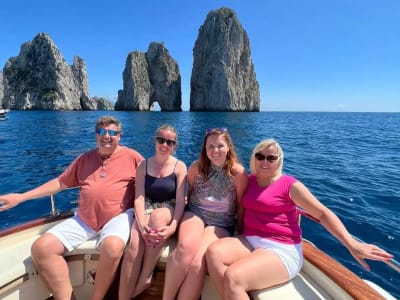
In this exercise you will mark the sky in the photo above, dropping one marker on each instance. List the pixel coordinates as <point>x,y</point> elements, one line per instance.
<point>308,55</point>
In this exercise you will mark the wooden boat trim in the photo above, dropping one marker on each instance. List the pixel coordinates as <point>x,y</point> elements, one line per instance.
<point>36,222</point>
<point>346,279</point>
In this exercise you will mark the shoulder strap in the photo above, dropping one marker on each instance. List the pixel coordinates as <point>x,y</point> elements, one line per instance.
<point>175,165</point>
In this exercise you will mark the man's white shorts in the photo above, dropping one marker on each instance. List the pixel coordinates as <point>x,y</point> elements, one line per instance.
<point>74,231</point>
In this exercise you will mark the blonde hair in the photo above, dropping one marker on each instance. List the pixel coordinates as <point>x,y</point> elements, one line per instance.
<point>169,128</point>
<point>261,146</point>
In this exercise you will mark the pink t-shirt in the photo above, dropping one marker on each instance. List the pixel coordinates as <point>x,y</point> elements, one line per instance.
<point>107,187</point>
<point>270,213</point>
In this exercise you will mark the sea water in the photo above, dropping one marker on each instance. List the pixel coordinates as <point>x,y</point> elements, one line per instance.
<point>350,161</point>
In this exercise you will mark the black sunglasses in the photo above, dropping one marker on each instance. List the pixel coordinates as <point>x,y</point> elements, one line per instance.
<point>162,140</point>
<point>270,158</point>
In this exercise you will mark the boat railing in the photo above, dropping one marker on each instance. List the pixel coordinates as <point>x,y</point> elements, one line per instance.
<point>54,211</point>
<point>393,263</point>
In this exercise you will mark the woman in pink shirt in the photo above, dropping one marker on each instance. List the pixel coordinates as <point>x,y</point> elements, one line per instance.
<point>269,252</point>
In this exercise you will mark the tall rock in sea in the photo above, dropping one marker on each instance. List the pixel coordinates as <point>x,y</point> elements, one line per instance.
<point>148,78</point>
<point>39,78</point>
<point>223,77</point>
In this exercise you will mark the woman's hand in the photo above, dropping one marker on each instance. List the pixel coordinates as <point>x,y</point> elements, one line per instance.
<point>160,235</point>
<point>361,251</point>
<point>148,235</point>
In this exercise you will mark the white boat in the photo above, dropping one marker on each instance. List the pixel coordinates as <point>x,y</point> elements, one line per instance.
<point>321,276</point>
<point>3,114</point>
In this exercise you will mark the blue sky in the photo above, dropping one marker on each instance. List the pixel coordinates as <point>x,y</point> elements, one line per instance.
<point>311,55</point>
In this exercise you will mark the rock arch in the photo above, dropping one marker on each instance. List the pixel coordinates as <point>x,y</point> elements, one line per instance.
<point>149,77</point>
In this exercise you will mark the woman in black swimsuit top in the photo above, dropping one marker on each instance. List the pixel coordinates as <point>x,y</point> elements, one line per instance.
<point>159,204</point>
<point>160,189</point>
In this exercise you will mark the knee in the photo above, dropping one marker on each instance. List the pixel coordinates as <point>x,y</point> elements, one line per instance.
<point>112,247</point>
<point>45,246</point>
<point>214,253</point>
<point>185,251</point>
<point>159,217</point>
<point>37,251</point>
<point>231,279</point>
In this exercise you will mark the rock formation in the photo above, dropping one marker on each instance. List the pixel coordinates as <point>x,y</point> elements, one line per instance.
<point>39,78</point>
<point>150,77</point>
<point>103,104</point>
<point>223,77</point>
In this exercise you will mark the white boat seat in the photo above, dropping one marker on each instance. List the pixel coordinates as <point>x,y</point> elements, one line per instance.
<point>12,266</point>
<point>89,248</point>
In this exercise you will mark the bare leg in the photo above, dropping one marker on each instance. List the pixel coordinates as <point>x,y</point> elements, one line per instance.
<point>194,280</point>
<point>131,264</point>
<point>220,255</point>
<point>158,218</point>
<point>236,269</point>
<point>47,254</point>
<point>190,233</point>
<point>111,250</point>
<point>150,259</point>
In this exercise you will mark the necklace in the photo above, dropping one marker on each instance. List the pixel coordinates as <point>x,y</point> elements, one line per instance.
<point>104,167</point>
<point>157,165</point>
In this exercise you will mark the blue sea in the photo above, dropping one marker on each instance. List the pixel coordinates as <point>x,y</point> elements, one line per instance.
<point>350,161</point>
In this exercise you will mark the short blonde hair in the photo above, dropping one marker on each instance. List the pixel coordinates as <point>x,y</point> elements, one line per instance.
<point>261,146</point>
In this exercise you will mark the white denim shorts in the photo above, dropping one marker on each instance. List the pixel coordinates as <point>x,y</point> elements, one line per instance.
<point>291,255</point>
<point>74,231</point>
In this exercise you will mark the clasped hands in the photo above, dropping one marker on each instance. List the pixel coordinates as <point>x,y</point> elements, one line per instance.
<point>153,237</point>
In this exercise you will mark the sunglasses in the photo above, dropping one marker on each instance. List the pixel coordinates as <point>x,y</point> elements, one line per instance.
<point>162,140</point>
<point>103,131</point>
<point>270,158</point>
<point>216,130</point>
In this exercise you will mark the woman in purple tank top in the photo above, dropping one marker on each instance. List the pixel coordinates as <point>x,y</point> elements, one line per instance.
<point>159,204</point>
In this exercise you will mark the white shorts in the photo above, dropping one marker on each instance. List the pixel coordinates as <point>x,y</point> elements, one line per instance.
<point>291,255</point>
<point>74,231</point>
